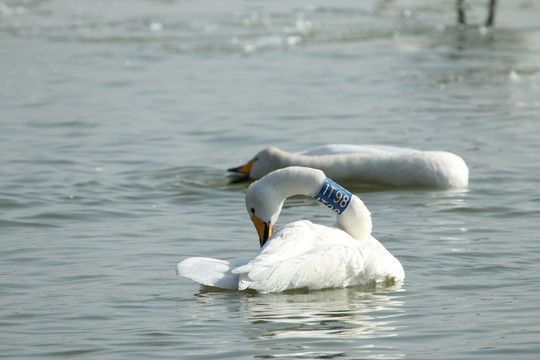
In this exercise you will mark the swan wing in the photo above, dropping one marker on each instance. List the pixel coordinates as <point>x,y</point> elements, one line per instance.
<point>210,272</point>
<point>303,254</point>
<point>324,267</point>
<point>389,165</point>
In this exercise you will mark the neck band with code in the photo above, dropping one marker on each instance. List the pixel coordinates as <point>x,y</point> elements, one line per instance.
<point>334,196</point>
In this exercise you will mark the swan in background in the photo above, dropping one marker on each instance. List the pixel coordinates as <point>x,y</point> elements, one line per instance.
<point>366,165</point>
<point>302,254</point>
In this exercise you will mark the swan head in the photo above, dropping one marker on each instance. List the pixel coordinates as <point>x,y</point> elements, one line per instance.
<point>264,162</point>
<point>265,197</point>
<point>263,209</point>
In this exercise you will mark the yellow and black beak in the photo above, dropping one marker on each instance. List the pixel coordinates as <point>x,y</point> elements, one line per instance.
<point>264,229</point>
<point>242,171</point>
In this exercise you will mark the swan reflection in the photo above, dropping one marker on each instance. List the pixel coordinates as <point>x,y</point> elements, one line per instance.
<point>322,321</point>
<point>363,321</point>
<point>334,315</point>
<point>347,312</point>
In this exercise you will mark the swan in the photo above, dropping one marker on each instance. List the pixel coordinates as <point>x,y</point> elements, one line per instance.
<point>366,165</point>
<point>302,254</point>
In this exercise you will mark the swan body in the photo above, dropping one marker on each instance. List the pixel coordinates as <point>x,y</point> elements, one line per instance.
<point>367,165</point>
<point>301,254</point>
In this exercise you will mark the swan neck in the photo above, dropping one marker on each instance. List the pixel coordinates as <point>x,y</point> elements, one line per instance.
<point>268,195</point>
<point>301,183</point>
<point>356,219</point>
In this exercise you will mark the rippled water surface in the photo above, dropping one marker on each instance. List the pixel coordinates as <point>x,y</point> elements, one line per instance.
<point>119,118</point>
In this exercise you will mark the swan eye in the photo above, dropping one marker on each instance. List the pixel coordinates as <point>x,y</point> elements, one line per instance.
<point>252,210</point>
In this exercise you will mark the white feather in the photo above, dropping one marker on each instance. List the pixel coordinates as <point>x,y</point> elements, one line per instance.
<point>210,272</point>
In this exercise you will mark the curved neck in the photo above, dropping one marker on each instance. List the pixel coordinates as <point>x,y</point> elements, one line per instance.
<point>356,219</point>
<point>352,215</point>
<point>269,193</point>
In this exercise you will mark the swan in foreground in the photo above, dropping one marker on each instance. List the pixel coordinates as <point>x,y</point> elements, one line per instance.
<point>302,254</point>
<point>366,165</point>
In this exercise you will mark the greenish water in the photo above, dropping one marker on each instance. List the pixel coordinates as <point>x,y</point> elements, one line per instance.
<point>119,118</point>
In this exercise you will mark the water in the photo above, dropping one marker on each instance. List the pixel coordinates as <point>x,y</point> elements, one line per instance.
<point>119,118</point>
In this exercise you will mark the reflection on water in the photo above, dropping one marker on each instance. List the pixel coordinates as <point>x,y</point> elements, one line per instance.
<point>344,312</point>
<point>351,315</point>
<point>353,322</point>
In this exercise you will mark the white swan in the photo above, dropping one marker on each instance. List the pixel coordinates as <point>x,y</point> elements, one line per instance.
<point>302,254</point>
<point>367,164</point>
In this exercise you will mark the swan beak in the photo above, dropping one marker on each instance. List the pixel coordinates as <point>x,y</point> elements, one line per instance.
<point>264,229</point>
<point>242,170</point>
